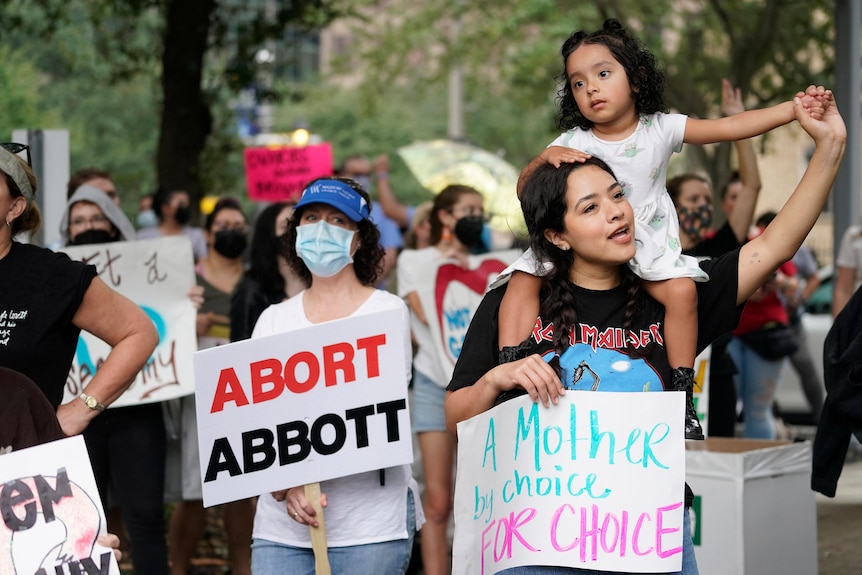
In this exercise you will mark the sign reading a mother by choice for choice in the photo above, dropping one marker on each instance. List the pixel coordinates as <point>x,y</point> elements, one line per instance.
<point>595,482</point>
<point>303,406</point>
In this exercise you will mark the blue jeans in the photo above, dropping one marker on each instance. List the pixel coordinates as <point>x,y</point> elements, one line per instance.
<point>755,386</point>
<point>689,563</point>
<point>385,558</point>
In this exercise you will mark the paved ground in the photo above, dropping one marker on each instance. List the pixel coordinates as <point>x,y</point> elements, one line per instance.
<point>839,525</point>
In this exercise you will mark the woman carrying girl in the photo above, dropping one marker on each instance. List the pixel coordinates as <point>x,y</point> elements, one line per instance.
<point>581,223</point>
<point>612,106</point>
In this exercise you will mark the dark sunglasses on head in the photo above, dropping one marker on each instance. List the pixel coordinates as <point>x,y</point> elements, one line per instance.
<point>15,148</point>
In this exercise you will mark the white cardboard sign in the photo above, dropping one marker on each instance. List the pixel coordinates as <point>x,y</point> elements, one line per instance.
<point>303,406</point>
<point>157,275</point>
<point>51,512</point>
<point>594,482</point>
<point>450,296</point>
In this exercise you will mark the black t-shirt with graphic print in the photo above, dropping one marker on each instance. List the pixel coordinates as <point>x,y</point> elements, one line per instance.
<point>40,292</point>
<point>598,336</point>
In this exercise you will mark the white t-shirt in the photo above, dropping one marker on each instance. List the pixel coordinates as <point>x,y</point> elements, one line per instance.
<point>359,509</point>
<point>640,164</point>
<point>850,253</point>
<point>410,263</point>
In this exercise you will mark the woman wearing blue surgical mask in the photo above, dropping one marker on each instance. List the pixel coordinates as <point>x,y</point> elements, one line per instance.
<point>371,517</point>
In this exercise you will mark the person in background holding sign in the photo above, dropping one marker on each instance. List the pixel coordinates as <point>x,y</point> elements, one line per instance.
<point>225,231</point>
<point>580,221</point>
<point>453,215</point>
<point>127,444</point>
<point>91,217</point>
<point>269,280</point>
<point>46,300</point>
<point>371,517</point>
<point>173,210</point>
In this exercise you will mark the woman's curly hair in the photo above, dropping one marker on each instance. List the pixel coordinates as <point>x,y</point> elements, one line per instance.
<point>544,202</point>
<point>646,78</point>
<point>368,259</point>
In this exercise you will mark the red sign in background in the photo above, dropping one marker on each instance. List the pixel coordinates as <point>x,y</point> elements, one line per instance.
<point>275,174</point>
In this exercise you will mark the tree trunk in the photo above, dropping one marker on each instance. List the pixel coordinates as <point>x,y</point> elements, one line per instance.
<point>186,121</point>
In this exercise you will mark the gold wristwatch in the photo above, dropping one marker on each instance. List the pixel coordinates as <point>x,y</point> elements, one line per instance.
<point>91,402</point>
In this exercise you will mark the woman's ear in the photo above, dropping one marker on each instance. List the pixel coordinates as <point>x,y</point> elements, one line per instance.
<point>444,216</point>
<point>19,204</point>
<point>557,239</point>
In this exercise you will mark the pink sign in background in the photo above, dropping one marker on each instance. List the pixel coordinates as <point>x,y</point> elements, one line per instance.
<point>275,174</point>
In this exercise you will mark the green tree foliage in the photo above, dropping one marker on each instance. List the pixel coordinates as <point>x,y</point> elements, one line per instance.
<point>20,89</point>
<point>510,48</point>
<point>196,51</point>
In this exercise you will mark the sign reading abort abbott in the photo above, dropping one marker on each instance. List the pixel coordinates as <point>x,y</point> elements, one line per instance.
<point>303,406</point>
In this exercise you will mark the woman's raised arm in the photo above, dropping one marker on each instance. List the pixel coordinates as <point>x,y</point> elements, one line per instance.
<point>777,244</point>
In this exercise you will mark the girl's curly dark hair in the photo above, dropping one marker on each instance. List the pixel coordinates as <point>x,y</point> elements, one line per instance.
<point>646,78</point>
<point>544,202</point>
<point>368,259</point>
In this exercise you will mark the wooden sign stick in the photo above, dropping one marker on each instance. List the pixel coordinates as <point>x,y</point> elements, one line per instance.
<point>318,534</point>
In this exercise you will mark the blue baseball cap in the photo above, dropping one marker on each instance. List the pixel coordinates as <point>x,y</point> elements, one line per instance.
<point>337,194</point>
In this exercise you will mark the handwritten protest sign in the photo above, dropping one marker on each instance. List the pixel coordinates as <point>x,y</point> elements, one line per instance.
<point>303,406</point>
<point>155,274</point>
<point>274,174</point>
<point>702,365</point>
<point>594,482</point>
<point>52,513</point>
<point>450,295</point>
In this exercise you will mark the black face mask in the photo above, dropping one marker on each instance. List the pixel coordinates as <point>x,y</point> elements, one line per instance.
<point>183,214</point>
<point>92,237</point>
<point>230,243</point>
<point>468,230</point>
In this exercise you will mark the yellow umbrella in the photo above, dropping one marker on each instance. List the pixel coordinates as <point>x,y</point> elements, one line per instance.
<point>439,163</point>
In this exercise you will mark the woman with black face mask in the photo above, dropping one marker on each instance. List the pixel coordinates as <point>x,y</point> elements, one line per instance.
<point>456,230</point>
<point>126,444</point>
<point>92,217</point>
<point>173,208</point>
<point>225,232</point>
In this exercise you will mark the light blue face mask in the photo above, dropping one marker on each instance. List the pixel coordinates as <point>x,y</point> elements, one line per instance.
<point>324,248</point>
<point>147,219</point>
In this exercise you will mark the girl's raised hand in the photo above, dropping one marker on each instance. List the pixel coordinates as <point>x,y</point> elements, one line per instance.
<point>815,100</point>
<point>829,124</point>
<point>731,99</point>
